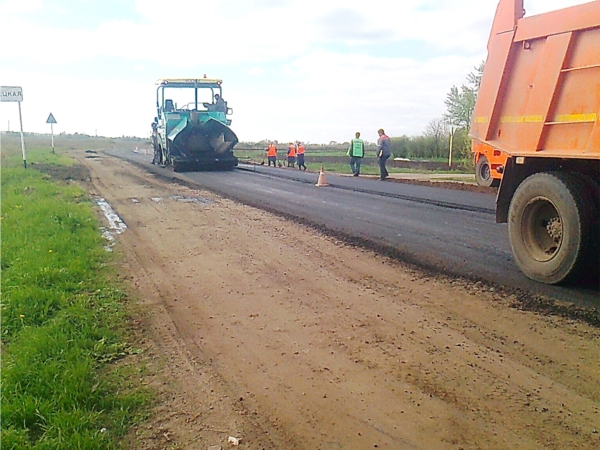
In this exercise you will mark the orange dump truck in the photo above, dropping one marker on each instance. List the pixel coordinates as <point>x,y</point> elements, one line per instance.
<point>539,105</point>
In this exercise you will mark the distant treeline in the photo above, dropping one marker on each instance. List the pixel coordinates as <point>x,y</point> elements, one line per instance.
<point>429,146</point>
<point>426,147</point>
<point>432,146</point>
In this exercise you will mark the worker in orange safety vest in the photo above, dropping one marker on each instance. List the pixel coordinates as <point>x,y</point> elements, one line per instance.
<point>272,154</point>
<point>300,157</point>
<point>291,155</point>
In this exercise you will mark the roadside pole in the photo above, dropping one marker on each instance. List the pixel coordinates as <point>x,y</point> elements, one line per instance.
<point>51,120</point>
<point>22,138</point>
<point>15,94</point>
<point>451,142</point>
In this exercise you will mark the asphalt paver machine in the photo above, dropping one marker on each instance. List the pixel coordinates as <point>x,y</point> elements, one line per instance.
<point>191,130</point>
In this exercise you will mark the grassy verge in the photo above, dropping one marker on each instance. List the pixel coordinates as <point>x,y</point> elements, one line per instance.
<point>365,168</point>
<point>338,162</point>
<point>63,324</point>
<point>368,167</point>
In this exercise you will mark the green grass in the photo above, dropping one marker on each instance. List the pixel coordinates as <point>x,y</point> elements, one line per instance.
<point>35,155</point>
<point>368,167</point>
<point>338,162</point>
<point>62,318</point>
<point>371,168</point>
<point>365,169</point>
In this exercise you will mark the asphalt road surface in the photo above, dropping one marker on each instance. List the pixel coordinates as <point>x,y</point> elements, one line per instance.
<point>443,230</point>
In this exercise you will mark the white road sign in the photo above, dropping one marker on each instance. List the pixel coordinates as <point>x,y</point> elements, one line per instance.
<point>11,94</point>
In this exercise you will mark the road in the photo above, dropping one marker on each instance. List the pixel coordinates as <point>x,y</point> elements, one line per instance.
<point>257,327</point>
<point>447,231</point>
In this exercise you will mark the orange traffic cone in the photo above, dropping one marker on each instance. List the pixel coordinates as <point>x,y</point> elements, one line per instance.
<point>321,181</point>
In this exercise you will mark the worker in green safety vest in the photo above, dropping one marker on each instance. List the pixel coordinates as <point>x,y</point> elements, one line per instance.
<point>356,152</point>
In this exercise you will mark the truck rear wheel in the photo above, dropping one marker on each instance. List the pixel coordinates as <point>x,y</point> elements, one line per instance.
<point>549,226</point>
<point>483,173</point>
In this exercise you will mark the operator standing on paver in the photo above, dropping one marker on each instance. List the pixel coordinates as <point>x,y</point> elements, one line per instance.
<point>157,159</point>
<point>272,154</point>
<point>300,156</point>
<point>220,104</point>
<point>356,152</point>
<point>384,151</point>
<point>291,155</point>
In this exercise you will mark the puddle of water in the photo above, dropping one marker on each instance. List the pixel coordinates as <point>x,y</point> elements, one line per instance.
<point>198,200</point>
<point>115,223</point>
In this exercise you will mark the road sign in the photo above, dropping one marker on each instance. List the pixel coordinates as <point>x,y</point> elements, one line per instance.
<point>11,94</point>
<point>51,120</point>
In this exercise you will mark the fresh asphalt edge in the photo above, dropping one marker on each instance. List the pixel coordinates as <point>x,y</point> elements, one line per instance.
<point>409,198</point>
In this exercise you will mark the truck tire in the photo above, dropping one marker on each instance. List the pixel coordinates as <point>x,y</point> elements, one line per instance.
<point>550,222</point>
<point>483,173</point>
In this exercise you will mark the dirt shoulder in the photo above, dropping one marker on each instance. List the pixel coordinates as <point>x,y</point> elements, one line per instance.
<point>262,329</point>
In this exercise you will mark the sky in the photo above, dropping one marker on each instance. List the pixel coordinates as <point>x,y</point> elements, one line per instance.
<point>307,70</point>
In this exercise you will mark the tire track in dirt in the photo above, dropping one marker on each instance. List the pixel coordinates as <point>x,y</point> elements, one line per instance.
<point>196,412</point>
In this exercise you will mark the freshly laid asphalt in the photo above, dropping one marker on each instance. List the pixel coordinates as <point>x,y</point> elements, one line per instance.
<point>446,231</point>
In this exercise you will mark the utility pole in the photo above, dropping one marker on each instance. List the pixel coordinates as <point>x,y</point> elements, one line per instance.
<point>451,142</point>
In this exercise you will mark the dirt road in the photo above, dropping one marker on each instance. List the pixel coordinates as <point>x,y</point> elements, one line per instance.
<point>262,329</point>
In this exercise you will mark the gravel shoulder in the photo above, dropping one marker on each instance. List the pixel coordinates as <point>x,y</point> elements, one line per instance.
<point>262,329</point>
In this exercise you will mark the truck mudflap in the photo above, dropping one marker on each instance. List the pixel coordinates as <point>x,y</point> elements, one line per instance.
<point>202,146</point>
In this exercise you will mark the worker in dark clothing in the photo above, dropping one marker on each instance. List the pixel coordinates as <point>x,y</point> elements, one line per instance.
<point>384,151</point>
<point>291,155</point>
<point>300,156</point>
<point>272,154</point>
<point>219,105</point>
<point>356,152</point>
<point>157,159</point>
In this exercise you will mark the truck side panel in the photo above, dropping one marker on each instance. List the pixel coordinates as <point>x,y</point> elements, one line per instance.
<point>540,93</point>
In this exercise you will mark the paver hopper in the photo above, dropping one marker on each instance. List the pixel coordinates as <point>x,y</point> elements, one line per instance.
<point>191,130</point>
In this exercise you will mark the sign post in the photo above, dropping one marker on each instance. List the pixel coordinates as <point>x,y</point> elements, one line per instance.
<point>451,144</point>
<point>15,94</point>
<point>51,120</point>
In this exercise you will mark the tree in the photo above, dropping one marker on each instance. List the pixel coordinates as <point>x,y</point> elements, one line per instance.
<point>460,103</point>
<point>474,79</point>
<point>400,146</point>
<point>436,133</point>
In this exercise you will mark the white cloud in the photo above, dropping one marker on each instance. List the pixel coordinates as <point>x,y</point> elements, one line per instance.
<point>12,8</point>
<point>110,108</point>
<point>292,69</point>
